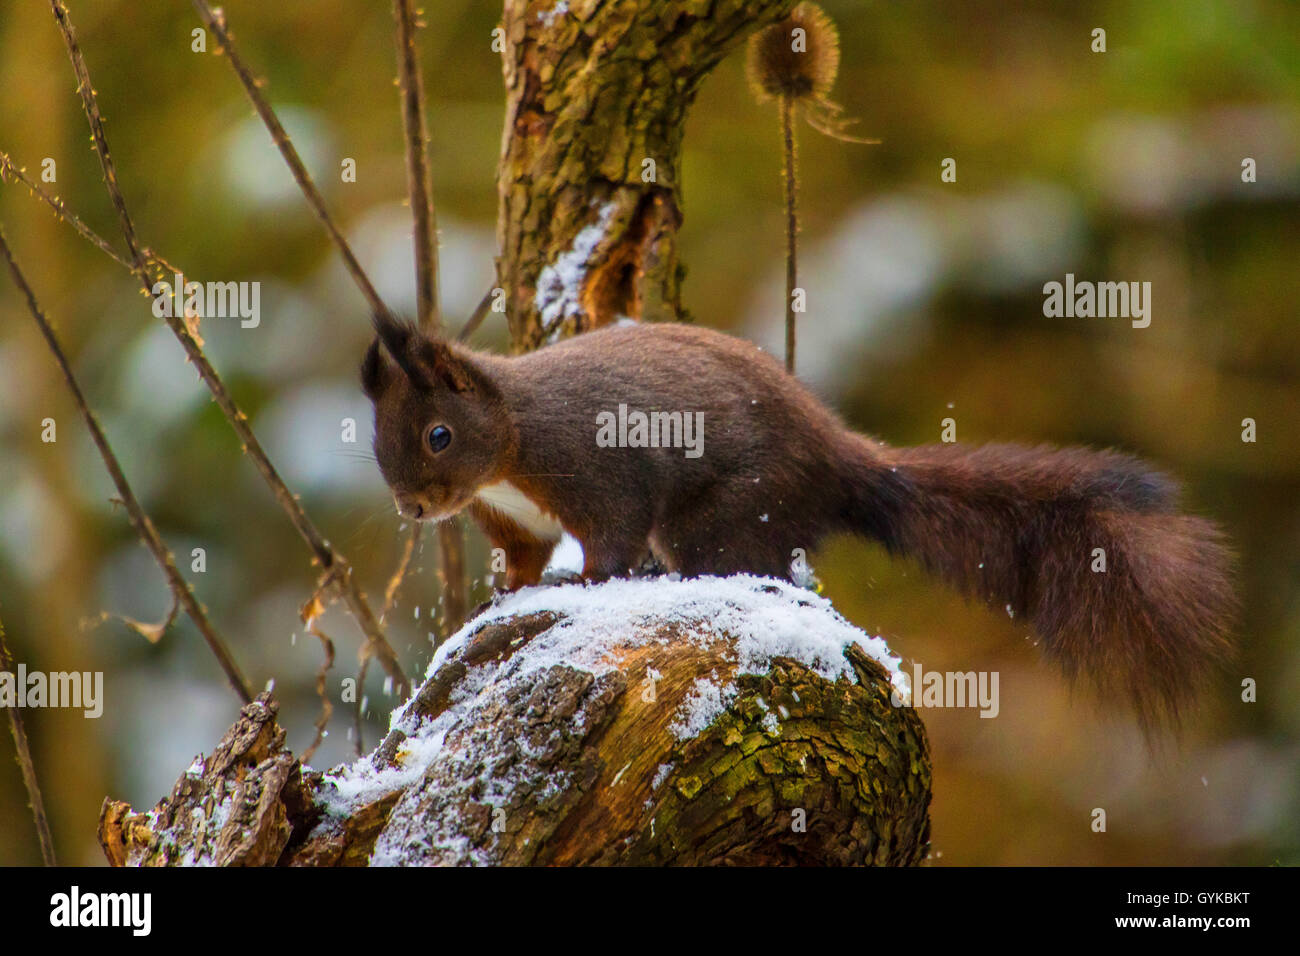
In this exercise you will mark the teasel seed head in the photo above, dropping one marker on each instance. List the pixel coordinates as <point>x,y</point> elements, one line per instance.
<point>797,57</point>
<point>796,61</point>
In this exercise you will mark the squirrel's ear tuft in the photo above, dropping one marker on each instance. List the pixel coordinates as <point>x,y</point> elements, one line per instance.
<point>402,343</point>
<point>375,371</point>
<point>445,366</point>
<point>424,361</point>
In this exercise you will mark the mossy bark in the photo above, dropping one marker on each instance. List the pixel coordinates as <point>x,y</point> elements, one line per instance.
<point>596,102</point>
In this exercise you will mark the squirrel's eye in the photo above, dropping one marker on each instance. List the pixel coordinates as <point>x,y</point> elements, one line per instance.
<point>439,437</point>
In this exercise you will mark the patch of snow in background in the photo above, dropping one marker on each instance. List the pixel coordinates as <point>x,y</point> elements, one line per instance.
<point>253,173</point>
<point>873,278</point>
<point>385,245</point>
<point>884,260</point>
<point>36,533</point>
<point>304,425</point>
<point>1153,165</point>
<point>158,385</point>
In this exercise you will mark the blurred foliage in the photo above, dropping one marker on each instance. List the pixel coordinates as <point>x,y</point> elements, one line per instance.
<point>1123,165</point>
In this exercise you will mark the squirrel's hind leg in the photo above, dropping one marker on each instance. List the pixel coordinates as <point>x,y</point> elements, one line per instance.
<point>692,547</point>
<point>613,545</point>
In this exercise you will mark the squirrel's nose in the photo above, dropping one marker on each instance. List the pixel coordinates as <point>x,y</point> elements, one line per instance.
<point>410,506</point>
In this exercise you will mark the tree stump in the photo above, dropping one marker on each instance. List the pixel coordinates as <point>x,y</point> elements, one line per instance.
<point>643,722</point>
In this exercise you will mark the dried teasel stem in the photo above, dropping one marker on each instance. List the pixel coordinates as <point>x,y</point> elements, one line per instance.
<point>795,62</point>
<point>790,178</point>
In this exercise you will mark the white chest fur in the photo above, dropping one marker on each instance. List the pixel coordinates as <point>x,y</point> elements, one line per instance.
<point>515,505</point>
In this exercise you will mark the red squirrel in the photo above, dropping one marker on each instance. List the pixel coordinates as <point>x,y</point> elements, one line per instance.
<point>514,440</point>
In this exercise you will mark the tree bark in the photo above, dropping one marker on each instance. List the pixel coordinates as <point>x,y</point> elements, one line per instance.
<point>590,192</point>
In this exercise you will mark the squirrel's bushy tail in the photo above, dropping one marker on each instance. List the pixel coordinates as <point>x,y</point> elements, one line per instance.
<point>1028,529</point>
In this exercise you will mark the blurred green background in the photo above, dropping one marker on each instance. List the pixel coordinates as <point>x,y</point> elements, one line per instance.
<point>925,303</point>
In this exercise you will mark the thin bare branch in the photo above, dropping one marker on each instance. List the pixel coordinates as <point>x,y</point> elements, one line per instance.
<point>216,22</point>
<point>89,99</point>
<point>8,167</point>
<point>64,214</point>
<point>334,564</point>
<point>452,576</point>
<point>480,313</point>
<point>403,564</point>
<point>311,612</point>
<point>390,595</point>
<point>358,738</point>
<point>419,179</point>
<point>25,764</point>
<point>139,520</point>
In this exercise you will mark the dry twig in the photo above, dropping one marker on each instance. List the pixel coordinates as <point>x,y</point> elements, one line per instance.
<point>335,566</point>
<point>419,179</point>
<point>25,764</point>
<point>480,313</point>
<point>180,588</point>
<point>311,612</point>
<point>8,167</point>
<point>390,595</point>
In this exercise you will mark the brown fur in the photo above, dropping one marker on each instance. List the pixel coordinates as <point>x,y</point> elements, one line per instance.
<point>1008,525</point>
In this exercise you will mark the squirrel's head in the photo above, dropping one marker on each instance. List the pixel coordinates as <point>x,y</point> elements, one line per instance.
<point>441,431</point>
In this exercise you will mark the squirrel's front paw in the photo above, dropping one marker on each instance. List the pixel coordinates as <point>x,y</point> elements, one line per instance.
<point>562,577</point>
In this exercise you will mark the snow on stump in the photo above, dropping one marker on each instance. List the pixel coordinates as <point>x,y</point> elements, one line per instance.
<point>651,721</point>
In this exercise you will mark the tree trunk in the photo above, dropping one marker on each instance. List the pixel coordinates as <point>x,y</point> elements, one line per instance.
<point>590,194</point>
